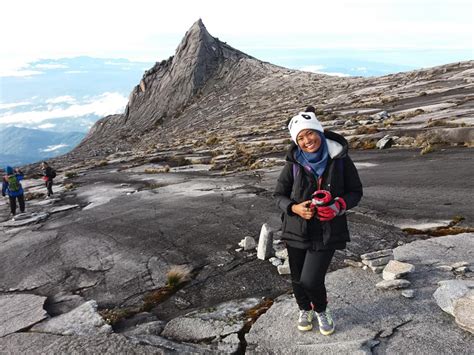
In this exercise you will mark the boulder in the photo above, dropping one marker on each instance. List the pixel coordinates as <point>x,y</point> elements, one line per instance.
<point>248,243</point>
<point>464,313</point>
<point>385,142</point>
<point>18,312</point>
<point>396,270</point>
<point>451,290</point>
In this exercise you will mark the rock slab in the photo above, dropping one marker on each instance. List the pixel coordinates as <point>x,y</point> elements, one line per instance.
<point>83,320</point>
<point>18,312</point>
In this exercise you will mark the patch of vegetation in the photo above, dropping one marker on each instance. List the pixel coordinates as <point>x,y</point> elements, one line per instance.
<point>177,275</point>
<point>450,229</point>
<point>428,149</point>
<point>69,187</point>
<point>70,174</point>
<point>366,130</point>
<point>179,161</point>
<point>165,169</point>
<point>102,163</point>
<point>212,140</point>
<point>254,313</point>
<point>33,195</point>
<point>113,316</point>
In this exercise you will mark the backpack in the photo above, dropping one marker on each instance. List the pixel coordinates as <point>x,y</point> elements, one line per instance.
<point>53,173</point>
<point>13,183</point>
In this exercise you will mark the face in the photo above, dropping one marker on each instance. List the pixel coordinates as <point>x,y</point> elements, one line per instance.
<point>308,140</point>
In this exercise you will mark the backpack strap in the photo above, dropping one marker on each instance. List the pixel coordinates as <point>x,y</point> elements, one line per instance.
<point>295,169</point>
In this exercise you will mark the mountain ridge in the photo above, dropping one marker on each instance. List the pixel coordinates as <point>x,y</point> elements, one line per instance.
<point>211,89</point>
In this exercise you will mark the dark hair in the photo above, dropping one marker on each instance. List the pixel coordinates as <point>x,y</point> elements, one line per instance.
<point>310,109</point>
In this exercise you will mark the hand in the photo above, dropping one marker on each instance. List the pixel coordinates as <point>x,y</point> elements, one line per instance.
<point>336,208</point>
<point>303,209</point>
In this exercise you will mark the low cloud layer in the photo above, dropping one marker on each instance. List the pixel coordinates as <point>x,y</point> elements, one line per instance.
<point>106,104</point>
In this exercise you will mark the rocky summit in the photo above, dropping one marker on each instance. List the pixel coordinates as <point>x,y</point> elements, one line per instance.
<point>210,97</point>
<point>162,237</point>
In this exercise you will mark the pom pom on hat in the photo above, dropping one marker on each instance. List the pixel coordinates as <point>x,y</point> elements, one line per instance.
<point>304,120</point>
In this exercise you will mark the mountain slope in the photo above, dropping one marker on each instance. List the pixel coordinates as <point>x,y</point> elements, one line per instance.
<point>211,90</point>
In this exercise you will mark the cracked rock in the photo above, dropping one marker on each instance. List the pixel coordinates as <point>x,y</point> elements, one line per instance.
<point>83,320</point>
<point>20,311</point>
<point>210,324</point>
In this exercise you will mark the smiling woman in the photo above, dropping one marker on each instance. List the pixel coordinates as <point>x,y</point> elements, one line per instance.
<point>315,188</point>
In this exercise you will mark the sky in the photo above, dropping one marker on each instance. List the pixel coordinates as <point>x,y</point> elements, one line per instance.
<point>147,30</point>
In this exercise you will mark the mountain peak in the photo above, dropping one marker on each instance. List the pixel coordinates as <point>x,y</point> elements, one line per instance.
<point>195,39</point>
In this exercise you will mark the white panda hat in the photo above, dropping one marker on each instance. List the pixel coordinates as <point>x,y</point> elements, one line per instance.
<point>304,120</point>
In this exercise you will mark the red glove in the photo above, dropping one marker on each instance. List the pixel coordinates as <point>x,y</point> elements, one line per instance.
<point>336,208</point>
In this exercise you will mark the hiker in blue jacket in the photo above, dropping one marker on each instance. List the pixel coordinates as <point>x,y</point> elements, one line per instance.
<point>317,185</point>
<point>11,186</point>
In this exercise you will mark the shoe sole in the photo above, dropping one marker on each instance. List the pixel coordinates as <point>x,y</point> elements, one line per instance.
<point>327,333</point>
<point>305,329</point>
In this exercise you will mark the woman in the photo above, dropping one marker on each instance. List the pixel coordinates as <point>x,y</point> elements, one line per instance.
<point>317,185</point>
<point>11,186</point>
<point>48,175</point>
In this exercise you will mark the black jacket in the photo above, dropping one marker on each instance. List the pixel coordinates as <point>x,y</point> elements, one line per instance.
<point>340,178</point>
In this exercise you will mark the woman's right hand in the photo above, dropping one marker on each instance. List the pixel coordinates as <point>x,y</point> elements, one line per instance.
<point>303,209</point>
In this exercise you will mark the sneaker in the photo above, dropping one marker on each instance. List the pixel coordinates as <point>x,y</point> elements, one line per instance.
<point>326,324</point>
<point>305,320</point>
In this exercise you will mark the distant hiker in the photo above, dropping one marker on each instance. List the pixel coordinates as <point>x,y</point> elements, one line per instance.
<point>317,185</point>
<point>48,175</point>
<point>11,186</point>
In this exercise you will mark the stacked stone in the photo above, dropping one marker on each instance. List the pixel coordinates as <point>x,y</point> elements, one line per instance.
<point>377,260</point>
<point>393,274</point>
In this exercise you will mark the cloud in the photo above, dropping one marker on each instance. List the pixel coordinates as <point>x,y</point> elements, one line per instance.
<point>51,66</point>
<point>19,72</point>
<point>106,104</point>
<point>318,70</point>
<point>75,71</point>
<point>13,104</point>
<point>60,99</point>
<point>47,126</point>
<point>51,148</point>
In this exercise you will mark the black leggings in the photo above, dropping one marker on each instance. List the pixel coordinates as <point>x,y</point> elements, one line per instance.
<point>308,273</point>
<point>21,202</point>
<point>49,187</point>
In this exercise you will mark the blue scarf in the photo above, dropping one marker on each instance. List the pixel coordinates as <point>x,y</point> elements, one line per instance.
<point>314,162</point>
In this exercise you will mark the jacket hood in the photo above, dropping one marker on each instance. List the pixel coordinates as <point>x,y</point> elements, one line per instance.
<point>337,147</point>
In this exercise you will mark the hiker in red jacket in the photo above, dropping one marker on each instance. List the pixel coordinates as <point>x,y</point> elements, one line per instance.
<point>317,185</point>
<point>11,186</point>
<point>48,175</point>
